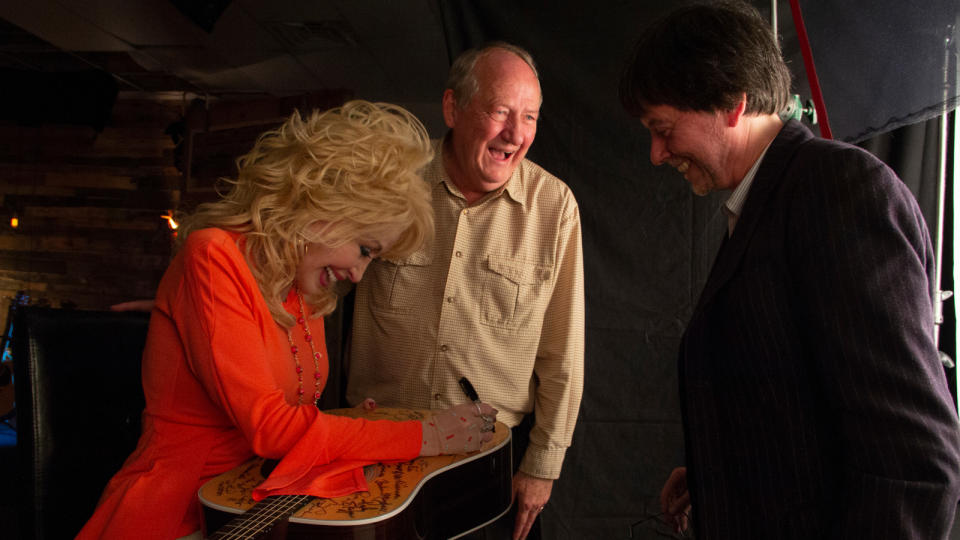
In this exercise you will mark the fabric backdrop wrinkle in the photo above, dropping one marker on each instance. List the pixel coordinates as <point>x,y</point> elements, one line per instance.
<point>882,63</point>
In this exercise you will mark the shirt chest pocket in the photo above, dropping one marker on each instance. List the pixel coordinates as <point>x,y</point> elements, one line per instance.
<point>515,293</point>
<point>399,285</point>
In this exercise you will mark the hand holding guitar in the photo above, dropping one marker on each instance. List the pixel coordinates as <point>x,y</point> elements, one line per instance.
<point>461,429</point>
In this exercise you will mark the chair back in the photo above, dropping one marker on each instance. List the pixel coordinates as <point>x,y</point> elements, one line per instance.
<point>79,402</point>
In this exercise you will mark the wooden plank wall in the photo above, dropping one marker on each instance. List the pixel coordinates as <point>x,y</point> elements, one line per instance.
<point>89,206</point>
<point>90,203</point>
<point>216,134</point>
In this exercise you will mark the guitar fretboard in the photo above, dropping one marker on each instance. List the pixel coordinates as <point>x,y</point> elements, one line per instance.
<point>261,518</point>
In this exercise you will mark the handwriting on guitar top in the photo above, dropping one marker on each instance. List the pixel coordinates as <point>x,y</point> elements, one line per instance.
<point>393,490</point>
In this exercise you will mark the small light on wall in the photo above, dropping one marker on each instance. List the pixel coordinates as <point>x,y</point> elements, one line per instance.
<point>172,223</point>
<point>14,222</point>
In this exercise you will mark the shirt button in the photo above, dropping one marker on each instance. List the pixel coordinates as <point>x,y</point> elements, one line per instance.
<point>444,348</point>
<point>459,254</point>
<point>436,397</point>
<point>466,212</point>
<point>449,299</point>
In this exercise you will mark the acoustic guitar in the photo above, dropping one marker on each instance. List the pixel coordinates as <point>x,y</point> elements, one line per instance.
<point>434,497</point>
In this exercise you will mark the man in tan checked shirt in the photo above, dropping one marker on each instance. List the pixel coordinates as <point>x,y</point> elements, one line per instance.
<point>497,296</point>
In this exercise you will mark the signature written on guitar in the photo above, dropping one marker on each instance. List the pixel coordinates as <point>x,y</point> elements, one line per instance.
<point>392,486</point>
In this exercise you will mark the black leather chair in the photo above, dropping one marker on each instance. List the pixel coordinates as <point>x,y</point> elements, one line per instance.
<point>79,400</point>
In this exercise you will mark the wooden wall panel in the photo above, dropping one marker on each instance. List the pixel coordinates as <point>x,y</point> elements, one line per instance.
<point>90,203</point>
<point>90,207</point>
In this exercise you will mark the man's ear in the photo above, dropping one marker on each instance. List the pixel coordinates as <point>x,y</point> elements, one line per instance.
<point>450,110</point>
<point>736,113</point>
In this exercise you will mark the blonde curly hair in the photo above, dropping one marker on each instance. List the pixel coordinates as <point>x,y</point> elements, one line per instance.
<point>356,168</point>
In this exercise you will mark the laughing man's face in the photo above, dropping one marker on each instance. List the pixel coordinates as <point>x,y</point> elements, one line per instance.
<point>492,134</point>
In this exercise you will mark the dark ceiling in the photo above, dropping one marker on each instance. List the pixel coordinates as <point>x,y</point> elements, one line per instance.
<point>219,48</point>
<point>881,64</point>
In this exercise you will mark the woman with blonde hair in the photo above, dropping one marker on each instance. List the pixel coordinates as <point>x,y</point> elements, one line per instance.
<point>235,356</point>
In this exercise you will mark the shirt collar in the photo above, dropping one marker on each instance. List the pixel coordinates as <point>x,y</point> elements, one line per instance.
<point>734,204</point>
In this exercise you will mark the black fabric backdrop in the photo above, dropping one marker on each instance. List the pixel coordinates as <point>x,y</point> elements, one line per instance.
<point>883,63</point>
<point>648,241</point>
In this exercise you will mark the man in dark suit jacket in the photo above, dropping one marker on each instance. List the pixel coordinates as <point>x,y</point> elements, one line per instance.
<point>814,401</point>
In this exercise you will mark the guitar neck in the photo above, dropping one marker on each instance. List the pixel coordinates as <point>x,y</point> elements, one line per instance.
<point>260,519</point>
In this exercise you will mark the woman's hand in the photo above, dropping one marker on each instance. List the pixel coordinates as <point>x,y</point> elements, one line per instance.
<point>368,404</point>
<point>458,430</point>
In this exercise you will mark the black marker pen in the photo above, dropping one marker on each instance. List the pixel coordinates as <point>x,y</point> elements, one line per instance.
<point>469,390</point>
<point>472,395</point>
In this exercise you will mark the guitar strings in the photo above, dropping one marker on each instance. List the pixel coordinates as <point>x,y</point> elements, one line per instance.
<point>262,516</point>
<point>267,515</point>
<point>258,523</point>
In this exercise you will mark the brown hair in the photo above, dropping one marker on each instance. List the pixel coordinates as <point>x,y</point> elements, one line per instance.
<point>704,58</point>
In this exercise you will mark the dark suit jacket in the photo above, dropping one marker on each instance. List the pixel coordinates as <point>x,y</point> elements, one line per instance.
<point>814,402</point>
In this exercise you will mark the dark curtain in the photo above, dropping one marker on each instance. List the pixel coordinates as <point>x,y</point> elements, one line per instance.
<point>648,241</point>
<point>884,63</point>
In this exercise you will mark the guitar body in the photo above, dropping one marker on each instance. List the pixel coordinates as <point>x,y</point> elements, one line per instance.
<point>434,497</point>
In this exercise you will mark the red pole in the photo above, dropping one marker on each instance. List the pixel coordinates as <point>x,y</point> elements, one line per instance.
<point>811,71</point>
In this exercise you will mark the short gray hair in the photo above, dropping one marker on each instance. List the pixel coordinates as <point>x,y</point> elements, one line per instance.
<point>463,81</point>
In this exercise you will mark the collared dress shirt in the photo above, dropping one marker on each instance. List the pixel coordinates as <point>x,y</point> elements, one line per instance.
<point>497,297</point>
<point>734,204</point>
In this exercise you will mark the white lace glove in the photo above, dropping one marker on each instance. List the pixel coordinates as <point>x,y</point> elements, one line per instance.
<point>461,429</point>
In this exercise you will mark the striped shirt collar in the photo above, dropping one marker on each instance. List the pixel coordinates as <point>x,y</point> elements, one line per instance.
<point>734,204</point>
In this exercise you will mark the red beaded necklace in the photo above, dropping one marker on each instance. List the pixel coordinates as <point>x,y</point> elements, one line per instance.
<point>317,385</point>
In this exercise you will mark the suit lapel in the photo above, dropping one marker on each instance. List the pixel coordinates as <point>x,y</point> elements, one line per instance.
<point>765,183</point>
